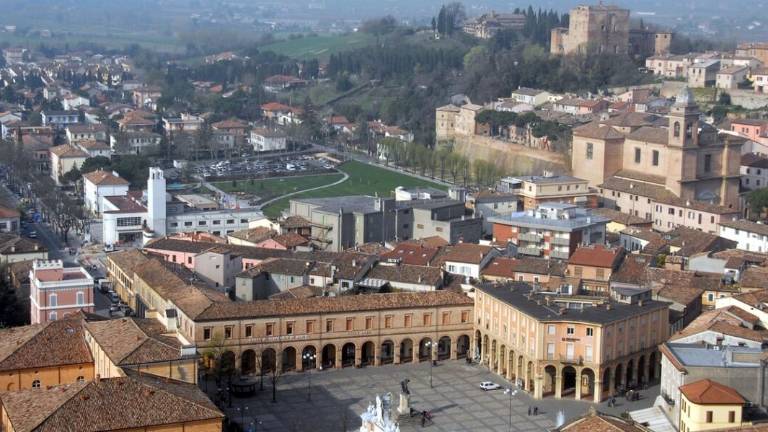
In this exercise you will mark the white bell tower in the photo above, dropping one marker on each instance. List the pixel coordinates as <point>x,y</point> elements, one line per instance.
<point>156,201</point>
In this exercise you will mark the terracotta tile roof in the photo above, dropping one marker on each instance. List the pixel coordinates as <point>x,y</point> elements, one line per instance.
<point>230,124</point>
<point>345,303</point>
<point>410,274</point>
<point>131,341</point>
<point>683,287</point>
<point>430,242</point>
<point>304,291</point>
<point>290,240</point>
<point>708,392</point>
<point>754,278</point>
<point>293,222</point>
<point>6,212</point>
<point>500,267</point>
<point>742,315</point>
<point>93,145</point>
<point>594,421</point>
<point>718,321</point>
<point>466,253</point>
<point>105,178</point>
<point>650,134</point>
<point>621,217</point>
<point>746,225</point>
<point>411,253</point>
<point>134,402</point>
<point>68,151</point>
<point>56,343</point>
<point>596,131</point>
<point>753,298</point>
<point>275,106</point>
<point>254,235</point>
<point>597,256</point>
<point>128,260</point>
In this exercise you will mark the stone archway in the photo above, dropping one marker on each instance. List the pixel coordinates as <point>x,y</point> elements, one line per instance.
<point>348,354</point>
<point>486,350</point>
<point>550,381</point>
<point>529,384</point>
<point>478,345</point>
<point>493,359</point>
<point>502,368</point>
<point>462,346</point>
<point>587,378</point>
<point>568,380</point>
<point>641,378</point>
<point>248,362</point>
<point>329,356</point>
<point>268,360</point>
<point>652,367</point>
<point>368,354</point>
<point>511,366</point>
<point>406,351</point>
<point>425,349</point>
<point>288,362</point>
<point>387,352</point>
<point>618,377</point>
<point>607,381</point>
<point>444,348</point>
<point>630,374</point>
<point>309,357</point>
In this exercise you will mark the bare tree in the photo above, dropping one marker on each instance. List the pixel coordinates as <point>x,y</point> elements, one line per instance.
<point>274,377</point>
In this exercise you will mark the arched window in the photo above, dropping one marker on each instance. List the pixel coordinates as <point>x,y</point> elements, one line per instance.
<point>81,379</point>
<point>80,298</point>
<point>677,129</point>
<point>36,384</point>
<point>53,300</point>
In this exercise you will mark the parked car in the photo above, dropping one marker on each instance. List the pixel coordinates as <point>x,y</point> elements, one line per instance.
<point>488,385</point>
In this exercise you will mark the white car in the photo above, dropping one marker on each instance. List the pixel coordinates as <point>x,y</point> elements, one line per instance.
<point>488,385</point>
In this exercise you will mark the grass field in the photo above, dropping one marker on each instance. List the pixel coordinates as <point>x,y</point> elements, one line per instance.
<point>269,188</point>
<point>319,46</point>
<point>363,179</point>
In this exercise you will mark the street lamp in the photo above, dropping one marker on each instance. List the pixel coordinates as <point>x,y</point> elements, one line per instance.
<point>511,393</point>
<point>429,345</point>
<point>308,358</point>
<point>242,410</point>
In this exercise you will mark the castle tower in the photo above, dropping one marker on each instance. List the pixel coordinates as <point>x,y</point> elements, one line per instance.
<point>156,201</point>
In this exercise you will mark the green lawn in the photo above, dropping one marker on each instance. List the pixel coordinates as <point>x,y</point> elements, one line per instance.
<point>363,179</point>
<point>268,188</point>
<point>309,47</point>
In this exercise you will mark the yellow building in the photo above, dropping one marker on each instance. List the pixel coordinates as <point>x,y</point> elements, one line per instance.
<point>140,345</point>
<point>64,158</point>
<point>43,355</point>
<point>120,270</point>
<point>136,403</point>
<point>708,405</point>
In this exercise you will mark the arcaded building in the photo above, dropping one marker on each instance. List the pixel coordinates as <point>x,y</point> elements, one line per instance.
<point>554,343</point>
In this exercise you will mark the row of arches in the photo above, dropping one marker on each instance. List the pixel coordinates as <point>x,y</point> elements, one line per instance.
<point>349,354</point>
<point>566,379</point>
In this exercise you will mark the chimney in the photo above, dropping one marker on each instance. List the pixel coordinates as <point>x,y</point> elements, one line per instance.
<point>98,378</point>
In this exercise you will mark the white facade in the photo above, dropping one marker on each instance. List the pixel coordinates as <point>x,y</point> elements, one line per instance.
<point>759,310</point>
<point>748,240</point>
<point>264,140</point>
<point>73,102</point>
<point>93,194</point>
<point>753,177</point>
<point>156,201</point>
<point>216,222</point>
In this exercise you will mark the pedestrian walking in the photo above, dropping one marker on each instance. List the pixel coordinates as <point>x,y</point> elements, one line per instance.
<point>529,410</point>
<point>535,410</point>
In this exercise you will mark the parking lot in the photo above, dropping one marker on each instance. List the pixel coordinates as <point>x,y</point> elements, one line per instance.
<point>456,402</point>
<point>262,167</point>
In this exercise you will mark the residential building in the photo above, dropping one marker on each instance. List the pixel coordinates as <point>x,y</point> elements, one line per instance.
<point>63,159</point>
<point>232,127</point>
<point>56,290</point>
<point>264,140</point>
<point>418,193</point>
<point>85,132</point>
<point>759,79</point>
<point>153,403</point>
<point>703,74</point>
<point>579,106</point>
<point>278,83</point>
<point>729,78</point>
<point>593,28</point>
<point>98,184</point>
<point>758,50</point>
<point>709,405</point>
<point>467,260</point>
<point>533,97</point>
<point>9,220</point>
<point>670,66</point>
<point>134,142</point>
<point>567,346</point>
<point>552,230</point>
<point>524,269</point>
<point>551,188</point>
<point>14,248</point>
<point>754,171</point>
<point>411,253</point>
<point>95,148</point>
<point>403,277</point>
<point>59,119</point>
<point>488,204</point>
<point>597,421</point>
<point>619,221</point>
<point>753,129</point>
<point>488,25</point>
<point>183,124</point>
<point>43,355</point>
<point>686,159</point>
<point>594,265</point>
<point>751,236</point>
<point>146,97</point>
<point>121,266</point>
<point>446,219</point>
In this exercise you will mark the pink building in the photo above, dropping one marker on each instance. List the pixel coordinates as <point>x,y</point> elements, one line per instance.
<point>56,290</point>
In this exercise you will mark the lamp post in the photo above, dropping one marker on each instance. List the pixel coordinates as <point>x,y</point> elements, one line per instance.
<point>429,345</point>
<point>308,358</point>
<point>511,393</point>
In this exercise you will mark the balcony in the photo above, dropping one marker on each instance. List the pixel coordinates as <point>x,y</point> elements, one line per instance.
<point>559,255</point>
<point>560,241</point>
<point>577,361</point>
<point>531,237</point>
<point>529,251</point>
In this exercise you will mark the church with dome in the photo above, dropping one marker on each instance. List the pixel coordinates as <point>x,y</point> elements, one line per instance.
<point>674,170</point>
